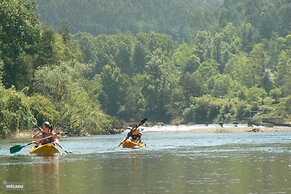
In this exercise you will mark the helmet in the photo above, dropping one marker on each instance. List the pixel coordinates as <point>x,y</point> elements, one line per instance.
<point>46,124</point>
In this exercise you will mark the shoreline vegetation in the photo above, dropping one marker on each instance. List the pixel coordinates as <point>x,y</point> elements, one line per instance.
<point>232,64</point>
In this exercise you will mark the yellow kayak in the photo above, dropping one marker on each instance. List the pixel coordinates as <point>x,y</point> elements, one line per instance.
<point>131,144</point>
<point>45,150</point>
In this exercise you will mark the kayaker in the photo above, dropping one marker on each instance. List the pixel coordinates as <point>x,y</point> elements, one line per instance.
<point>44,132</point>
<point>134,134</point>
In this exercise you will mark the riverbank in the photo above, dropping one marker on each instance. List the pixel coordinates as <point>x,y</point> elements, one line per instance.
<point>21,135</point>
<point>213,128</point>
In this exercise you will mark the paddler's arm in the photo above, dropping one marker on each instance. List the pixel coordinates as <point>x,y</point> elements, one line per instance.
<point>57,140</point>
<point>126,138</point>
<point>36,135</point>
<point>56,137</point>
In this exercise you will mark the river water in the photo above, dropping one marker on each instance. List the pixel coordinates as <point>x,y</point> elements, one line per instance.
<point>172,162</point>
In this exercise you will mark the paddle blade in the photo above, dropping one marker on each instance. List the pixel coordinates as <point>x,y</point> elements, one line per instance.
<point>15,149</point>
<point>143,121</point>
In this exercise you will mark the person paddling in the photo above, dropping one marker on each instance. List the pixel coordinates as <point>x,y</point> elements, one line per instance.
<point>44,132</point>
<point>45,135</point>
<point>135,133</point>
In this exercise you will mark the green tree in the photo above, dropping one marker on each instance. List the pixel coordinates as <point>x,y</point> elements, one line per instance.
<point>240,69</point>
<point>113,93</point>
<point>186,59</point>
<point>134,107</point>
<point>220,85</point>
<point>283,77</point>
<point>192,86</point>
<point>19,35</point>
<point>160,83</point>
<point>1,72</point>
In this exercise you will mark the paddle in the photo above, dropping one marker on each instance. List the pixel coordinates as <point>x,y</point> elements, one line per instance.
<point>18,148</point>
<point>137,126</point>
<point>67,152</point>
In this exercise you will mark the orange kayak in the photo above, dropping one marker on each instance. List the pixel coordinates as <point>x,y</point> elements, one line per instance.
<point>132,144</point>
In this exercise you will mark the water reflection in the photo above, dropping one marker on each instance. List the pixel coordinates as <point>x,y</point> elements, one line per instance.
<point>36,178</point>
<point>155,172</point>
<point>46,176</point>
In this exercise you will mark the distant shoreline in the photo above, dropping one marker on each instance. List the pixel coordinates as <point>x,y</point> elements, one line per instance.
<point>21,135</point>
<point>228,128</point>
<point>212,128</point>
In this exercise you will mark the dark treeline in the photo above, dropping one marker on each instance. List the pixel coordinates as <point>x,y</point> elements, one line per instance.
<point>234,67</point>
<point>176,18</point>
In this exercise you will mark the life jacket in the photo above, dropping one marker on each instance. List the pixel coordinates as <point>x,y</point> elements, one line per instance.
<point>48,140</point>
<point>136,132</point>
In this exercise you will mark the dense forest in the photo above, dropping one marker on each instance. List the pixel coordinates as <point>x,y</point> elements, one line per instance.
<point>87,65</point>
<point>176,18</point>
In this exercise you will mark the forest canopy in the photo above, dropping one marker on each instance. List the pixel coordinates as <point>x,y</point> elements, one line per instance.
<point>176,18</point>
<point>87,65</point>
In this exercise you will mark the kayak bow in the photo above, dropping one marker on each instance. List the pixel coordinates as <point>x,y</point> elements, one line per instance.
<point>45,150</point>
<point>131,144</point>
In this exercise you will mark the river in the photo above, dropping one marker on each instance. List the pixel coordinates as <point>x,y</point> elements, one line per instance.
<point>172,162</point>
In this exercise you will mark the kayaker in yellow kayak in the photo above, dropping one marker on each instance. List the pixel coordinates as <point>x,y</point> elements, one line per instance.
<point>44,132</point>
<point>134,135</point>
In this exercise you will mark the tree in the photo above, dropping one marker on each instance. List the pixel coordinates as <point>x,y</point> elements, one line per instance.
<point>203,42</point>
<point>113,93</point>
<point>283,77</point>
<point>259,58</point>
<point>205,72</point>
<point>20,33</point>
<point>139,57</point>
<point>220,85</point>
<point>226,44</point>
<point>203,109</point>
<point>240,69</point>
<point>65,84</point>
<point>160,83</point>
<point>1,72</point>
<point>186,59</point>
<point>192,86</point>
<point>276,93</point>
<point>255,95</point>
<point>133,107</point>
